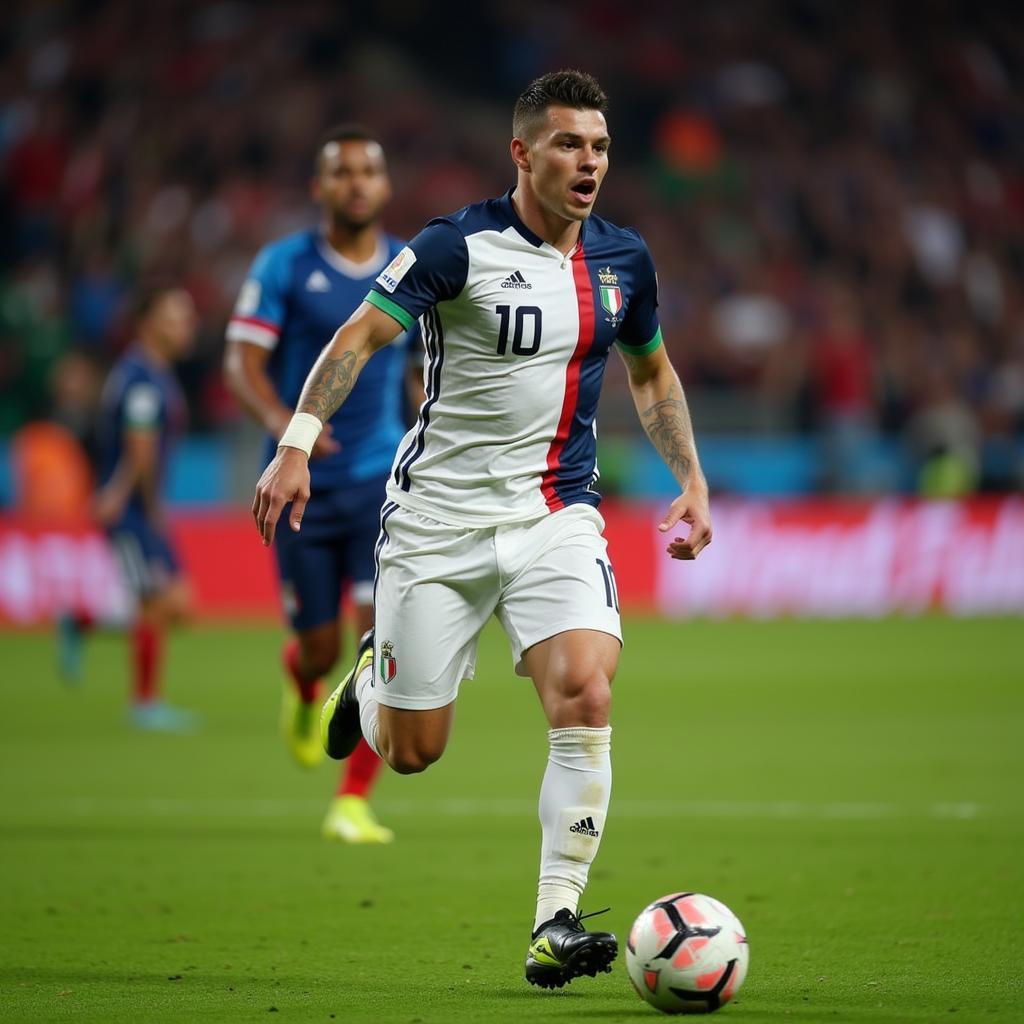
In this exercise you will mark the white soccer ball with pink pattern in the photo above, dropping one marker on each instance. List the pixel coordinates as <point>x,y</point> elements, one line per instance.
<point>687,953</point>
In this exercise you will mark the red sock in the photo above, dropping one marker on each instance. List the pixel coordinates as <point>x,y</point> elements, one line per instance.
<point>147,647</point>
<point>359,772</point>
<point>290,656</point>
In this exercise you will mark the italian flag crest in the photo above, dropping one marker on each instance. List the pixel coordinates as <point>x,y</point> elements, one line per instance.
<point>611,299</point>
<point>388,664</point>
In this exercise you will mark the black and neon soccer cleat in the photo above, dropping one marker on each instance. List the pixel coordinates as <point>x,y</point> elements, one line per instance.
<point>340,731</point>
<point>562,949</point>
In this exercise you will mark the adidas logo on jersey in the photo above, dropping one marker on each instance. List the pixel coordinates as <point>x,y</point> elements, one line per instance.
<point>516,280</point>
<point>585,826</point>
<point>317,282</point>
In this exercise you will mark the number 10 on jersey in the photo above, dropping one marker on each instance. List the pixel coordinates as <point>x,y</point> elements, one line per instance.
<point>519,329</point>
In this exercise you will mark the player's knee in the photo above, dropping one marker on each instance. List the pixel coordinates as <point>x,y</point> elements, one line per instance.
<point>180,608</point>
<point>173,605</point>
<point>585,699</point>
<point>412,758</point>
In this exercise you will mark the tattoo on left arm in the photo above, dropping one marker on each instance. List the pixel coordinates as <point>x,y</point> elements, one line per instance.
<point>667,424</point>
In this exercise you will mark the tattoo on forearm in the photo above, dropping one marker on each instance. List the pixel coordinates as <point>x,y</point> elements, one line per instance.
<point>668,426</point>
<point>334,379</point>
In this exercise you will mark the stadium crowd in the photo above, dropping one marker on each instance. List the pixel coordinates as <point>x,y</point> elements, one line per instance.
<point>833,192</point>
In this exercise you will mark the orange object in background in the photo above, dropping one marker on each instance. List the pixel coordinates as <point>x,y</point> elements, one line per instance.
<point>688,142</point>
<point>53,481</point>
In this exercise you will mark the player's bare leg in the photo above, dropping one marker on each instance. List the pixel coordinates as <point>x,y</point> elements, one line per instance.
<point>307,657</point>
<point>157,612</point>
<point>408,741</point>
<point>572,672</point>
<point>411,741</point>
<point>349,816</point>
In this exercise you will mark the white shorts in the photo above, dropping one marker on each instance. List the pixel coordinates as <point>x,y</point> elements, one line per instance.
<point>437,585</point>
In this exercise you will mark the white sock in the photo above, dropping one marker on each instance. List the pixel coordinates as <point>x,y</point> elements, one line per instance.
<point>367,707</point>
<point>573,804</point>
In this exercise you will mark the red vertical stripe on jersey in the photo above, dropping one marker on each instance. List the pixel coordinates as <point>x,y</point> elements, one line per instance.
<point>585,304</point>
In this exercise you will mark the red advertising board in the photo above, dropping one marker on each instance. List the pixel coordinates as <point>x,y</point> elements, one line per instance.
<point>45,572</point>
<point>818,558</point>
<point>854,559</point>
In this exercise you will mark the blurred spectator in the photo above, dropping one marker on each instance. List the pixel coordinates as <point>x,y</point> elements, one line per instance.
<point>765,150</point>
<point>75,385</point>
<point>945,437</point>
<point>843,383</point>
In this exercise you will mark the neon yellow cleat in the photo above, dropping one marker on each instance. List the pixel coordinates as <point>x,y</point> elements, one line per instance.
<point>350,818</point>
<point>299,727</point>
<point>340,731</point>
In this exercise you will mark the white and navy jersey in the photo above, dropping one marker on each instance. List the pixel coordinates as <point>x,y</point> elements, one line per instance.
<point>516,337</point>
<point>298,292</point>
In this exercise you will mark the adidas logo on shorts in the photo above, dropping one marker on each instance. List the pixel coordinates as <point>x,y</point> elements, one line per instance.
<point>585,826</point>
<point>516,280</point>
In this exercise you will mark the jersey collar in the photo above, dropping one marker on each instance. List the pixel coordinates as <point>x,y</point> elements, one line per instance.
<point>369,268</point>
<point>522,229</point>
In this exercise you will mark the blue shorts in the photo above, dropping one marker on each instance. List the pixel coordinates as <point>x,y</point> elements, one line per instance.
<point>149,561</point>
<point>334,547</point>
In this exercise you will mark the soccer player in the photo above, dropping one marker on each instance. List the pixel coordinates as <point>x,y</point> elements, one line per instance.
<point>142,412</point>
<point>491,506</point>
<point>298,290</point>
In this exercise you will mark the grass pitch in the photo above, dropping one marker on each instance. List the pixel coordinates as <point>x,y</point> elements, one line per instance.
<point>852,790</point>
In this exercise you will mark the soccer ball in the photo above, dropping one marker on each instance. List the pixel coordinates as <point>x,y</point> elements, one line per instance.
<point>687,953</point>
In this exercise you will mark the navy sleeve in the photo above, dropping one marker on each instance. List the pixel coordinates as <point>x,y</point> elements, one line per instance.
<point>640,332</point>
<point>414,346</point>
<point>430,269</point>
<point>142,407</point>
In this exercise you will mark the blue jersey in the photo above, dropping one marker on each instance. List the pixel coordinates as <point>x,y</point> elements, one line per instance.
<point>140,394</point>
<point>298,293</point>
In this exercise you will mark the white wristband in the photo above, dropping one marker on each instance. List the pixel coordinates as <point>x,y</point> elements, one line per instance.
<point>301,432</point>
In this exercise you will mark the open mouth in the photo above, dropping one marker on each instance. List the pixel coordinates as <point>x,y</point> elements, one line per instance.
<point>584,189</point>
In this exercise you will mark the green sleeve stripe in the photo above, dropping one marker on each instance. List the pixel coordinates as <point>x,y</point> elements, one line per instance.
<point>642,350</point>
<point>393,309</point>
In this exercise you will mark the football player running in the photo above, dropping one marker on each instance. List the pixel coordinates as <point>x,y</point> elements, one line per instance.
<point>298,290</point>
<point>491,506</point>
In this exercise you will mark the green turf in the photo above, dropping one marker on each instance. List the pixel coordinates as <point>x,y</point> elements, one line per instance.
<point>853,791</point>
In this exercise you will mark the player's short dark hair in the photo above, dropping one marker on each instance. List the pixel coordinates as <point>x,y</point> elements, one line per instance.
<point>348,131</point>
<point>566,88</point>
<point>148,294</point>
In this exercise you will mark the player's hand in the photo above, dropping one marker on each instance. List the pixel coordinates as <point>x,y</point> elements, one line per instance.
<point>285,480</point>
<point>691,508</point>
<point>325,443</point>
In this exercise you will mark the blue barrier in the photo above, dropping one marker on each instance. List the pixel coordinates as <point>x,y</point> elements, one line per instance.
<point>199,473</point>
<point>204,471</point>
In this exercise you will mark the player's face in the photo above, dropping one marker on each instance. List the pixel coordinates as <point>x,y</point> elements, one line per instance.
<point>173,320</point>
<point>568,160</point>
<point>352,183</point>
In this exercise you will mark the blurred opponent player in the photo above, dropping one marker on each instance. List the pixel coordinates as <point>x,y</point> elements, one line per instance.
<point>298,290</point>
<point>142,412</point>
<point>491,502</point>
